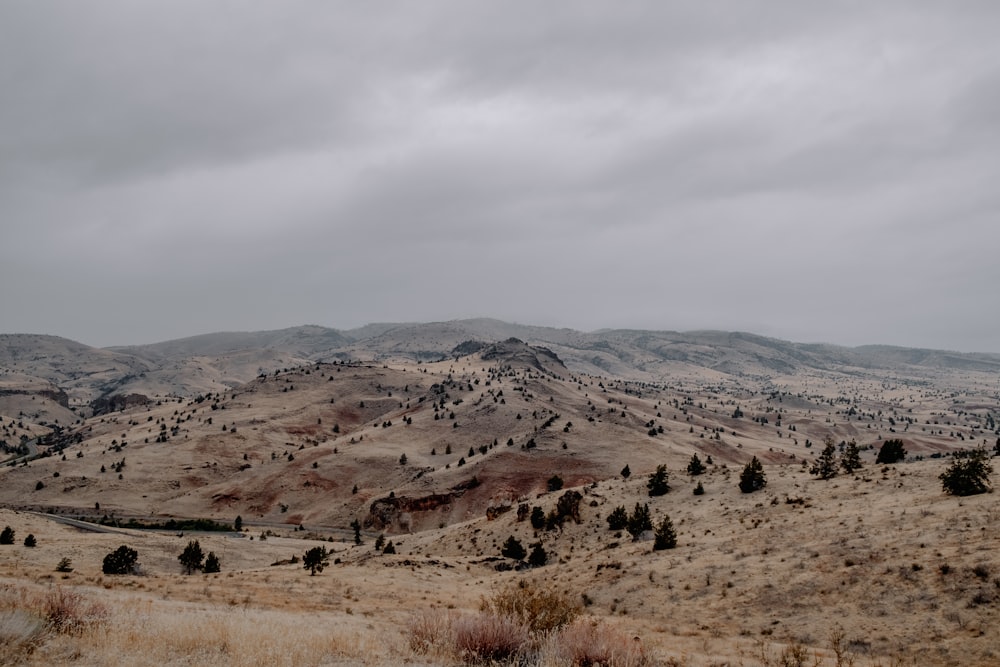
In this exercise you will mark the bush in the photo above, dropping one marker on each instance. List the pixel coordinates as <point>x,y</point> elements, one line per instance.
<point>539,609</point>
<point>555,483</point>
<point>538,557</point>
<point>122,560</point>
<point>968,473</point>
<point>30,541</point>
<point>489,638</point>
<point>699,490</point>
<point>7,536</point>
<point>537,517</point>
<point>752,478</point>
<point>587,642</point>
<point>67,612</point>
<point>891,451</point>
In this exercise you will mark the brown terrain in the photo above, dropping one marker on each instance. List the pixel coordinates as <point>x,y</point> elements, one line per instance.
<point>442,438</point>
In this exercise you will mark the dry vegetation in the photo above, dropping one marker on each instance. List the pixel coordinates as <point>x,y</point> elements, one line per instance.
<point>447,460</point>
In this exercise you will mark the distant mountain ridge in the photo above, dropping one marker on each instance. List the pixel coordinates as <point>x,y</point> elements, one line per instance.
<point>217,361</point>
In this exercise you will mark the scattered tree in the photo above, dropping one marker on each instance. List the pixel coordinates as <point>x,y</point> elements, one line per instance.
<point>665,536</point>
<point>122,560</point>
<point>7,536</point>
<point>537,517</point>
<point>968,474</point>
<point>658,481</point>
<point>626,473</point>
<point>192,557</point>
<point>752,478</point>
<point>825,466</point>
<point>695,466</point>
<point>315,560</point>
<point>891,451</point>
<point>356,525</point>
<point>850,459</point>
<point>212,563</point>
<point>402,459</point>
<point>238,524</point>
<point>65,565</point>
<point>30,541</point>
<point>699,490</point>
<point>512,548</point>
<point>618,518</point>
<point>639,522</point>
<point>389,548</point>
<point>537,557</point>
<point>380,542</point>
<point>555,483</point>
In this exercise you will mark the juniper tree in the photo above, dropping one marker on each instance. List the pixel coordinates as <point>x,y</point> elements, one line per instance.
<point>968,474</point>
<point>212,563</point>
<point>752,478</point>
<point>695,466</point>
<point>191,558</point>
<point>618,518</point>
<point>665,536</point>
<point>639,522</point>
<point>512,548</point>
<point>825,466</point>
<point>315,560</point>
<point>658,481</point>
<point>850,460</point>
<point>891,451</point>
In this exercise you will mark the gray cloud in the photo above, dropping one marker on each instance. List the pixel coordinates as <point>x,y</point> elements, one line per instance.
<point>819,172</point>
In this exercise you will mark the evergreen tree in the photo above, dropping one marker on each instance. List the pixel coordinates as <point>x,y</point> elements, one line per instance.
<point>122,560</point>
<point>825,466</point>
<point>315,560</point>
<point>695,467</point>
<point>512,548</point>
<point>238,524</point>
<point>657,482</point>
<point>618,518</point>
<point>639,522</point>
<point>555,483</point>
<point>356,525</point>
<point>191,558</point>
<point>389,549</point>
<point>212,563</point>
<point>7,536</point>
<point>891,451</point>
<point>30,541</point>
<point>699,490</point>
<point>537,557</point>
<point>665,535</point>
<point>850,460</point>
<point>752,478</point>
<point>626,473</point>
<point>537,517</point>
<point>968,474</point>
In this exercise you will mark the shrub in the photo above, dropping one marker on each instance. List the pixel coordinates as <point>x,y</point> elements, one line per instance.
<point>537,517</point>
<point>389,549</point>
<point>539,609</point>
<point>626,473</point>
<point>587,643</point>
<point>512,548</point>
<point>489,638</point>
<point>891,451</point>
<point>752,478</point>
<point>695,466</point>
<point>122,560</point>
<point>67,612</point>
<point>699,490</point>
<point>555,483</point>
<point>7,535</point>
<point>30,541</point>
<point>64,565</point>
<point>657,484</point>
<point>968,474</point>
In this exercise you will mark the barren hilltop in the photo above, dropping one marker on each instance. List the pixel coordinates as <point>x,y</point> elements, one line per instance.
<point>458,442</point>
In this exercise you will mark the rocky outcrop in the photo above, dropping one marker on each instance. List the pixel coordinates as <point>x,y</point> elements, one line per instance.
<point>117,402</point>
<point>391,511</point>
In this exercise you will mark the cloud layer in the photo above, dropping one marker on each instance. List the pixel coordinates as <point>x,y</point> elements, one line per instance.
<point>817,172</point>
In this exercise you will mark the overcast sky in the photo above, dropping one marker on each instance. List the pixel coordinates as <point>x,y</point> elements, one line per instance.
<point>814,171</point>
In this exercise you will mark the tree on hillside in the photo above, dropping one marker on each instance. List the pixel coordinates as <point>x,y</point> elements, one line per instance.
<point>639,522</point>
<point>356,525</point>
<point>850,459</point>
<point>538,556</point>
<point>695,466</point>
<point>191,558</point>
<point>7,536</point>
<point>658,481</point>
<point>315,560</point>
<point>537,517</point>
<point>555,483</point>
<point>122,560</point>
<point>665,535</point>
<point>891,451</point>
<point>752,478</point>
<point>968,474</point>
<point>626,473</point>
<point>212,564</point>
<point>825,466</point>
<point>618,518</point>
<point>238,524</point>
<point>512,548</point>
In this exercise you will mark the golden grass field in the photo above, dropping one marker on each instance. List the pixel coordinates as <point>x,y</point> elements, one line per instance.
<point>880,567</point>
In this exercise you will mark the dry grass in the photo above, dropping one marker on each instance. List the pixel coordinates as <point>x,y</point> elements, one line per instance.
<point>589,643</point>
